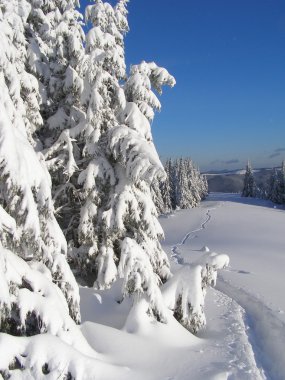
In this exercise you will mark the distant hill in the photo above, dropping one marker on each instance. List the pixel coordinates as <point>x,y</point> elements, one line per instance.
<point>232,181</point>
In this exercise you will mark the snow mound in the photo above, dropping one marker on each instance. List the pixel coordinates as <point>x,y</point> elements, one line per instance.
<point>185,292</point>
<point>32,304</point>
<point>46,356</point>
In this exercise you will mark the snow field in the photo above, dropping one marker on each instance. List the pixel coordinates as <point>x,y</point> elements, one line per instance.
<point>250,231</point>
<point>244,336</point>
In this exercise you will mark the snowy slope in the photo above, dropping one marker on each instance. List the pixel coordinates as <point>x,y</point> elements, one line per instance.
<point>251,232</point>
<point>245,334</point>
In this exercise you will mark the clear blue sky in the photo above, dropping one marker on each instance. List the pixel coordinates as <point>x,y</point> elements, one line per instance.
<point>228,58</point>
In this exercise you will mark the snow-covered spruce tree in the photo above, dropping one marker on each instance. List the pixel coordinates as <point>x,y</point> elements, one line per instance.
<point>55,54</point>
<point>165,188</point>
<point>273,187</point>
<point>157,196</point>
<point>38,291</point>
<point>282,183</point>
<point>185,186</point>
<point>204,187</point>
<point>198,185</point>
<point>103,68</point>
<point>141,161</point>
<point>118,230</point>
<point>249,186</point>
<point>161,192</point>
<point>173,179</point>
<point>29,231</point>
<point>184,196</point>
<point>168,192</point>
<point>194,183</point>
<point>55,57</point>
<point>276,186</point>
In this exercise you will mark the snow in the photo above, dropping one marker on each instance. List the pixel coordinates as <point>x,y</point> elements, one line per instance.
<point>136,270</point>
<point>7,223</point>
<point>45,356</point>
<point>251,232</point>
<point>244,335</point>
<point>130,330</point>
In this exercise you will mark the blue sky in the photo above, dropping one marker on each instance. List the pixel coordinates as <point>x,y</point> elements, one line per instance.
<point>228,58</point>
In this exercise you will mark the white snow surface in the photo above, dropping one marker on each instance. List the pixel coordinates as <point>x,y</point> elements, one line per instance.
<point>244,338</point>
<point>245,335</point>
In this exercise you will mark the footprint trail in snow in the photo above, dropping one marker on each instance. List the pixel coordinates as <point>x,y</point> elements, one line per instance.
<point>253,336</point>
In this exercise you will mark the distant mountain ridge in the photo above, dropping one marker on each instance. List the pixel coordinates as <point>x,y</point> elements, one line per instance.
<point>231,181</point>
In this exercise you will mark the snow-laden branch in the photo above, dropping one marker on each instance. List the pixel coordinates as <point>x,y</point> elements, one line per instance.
<point>185,292</point>
<point>138,155</point>
<point>63,143</point>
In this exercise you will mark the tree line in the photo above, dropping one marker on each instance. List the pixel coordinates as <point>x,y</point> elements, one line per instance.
<point>273,190</point>
<point>183,188</point>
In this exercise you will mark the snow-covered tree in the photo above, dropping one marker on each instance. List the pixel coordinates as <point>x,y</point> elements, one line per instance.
<point>276,185</point>
<point>103,68</point>
<point>118,234</point>
<point>156,192</point>
<point>249,186</point>
<point>204,187</point>
<point>185,292</point>
<point>165,188</point>
<point>282,183</point>
<point>133,148</point>
<point>184,197</point>
<point>184,187</point>
<point>55,56</point>
<point>171,172</point>
<point>195,183</point>
<point>29,230</point>
<point>38,291</point>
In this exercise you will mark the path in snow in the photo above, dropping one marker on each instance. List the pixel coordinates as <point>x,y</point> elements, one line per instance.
<point>265,332</point>
<point>227,335</point>
<point>190,235</point>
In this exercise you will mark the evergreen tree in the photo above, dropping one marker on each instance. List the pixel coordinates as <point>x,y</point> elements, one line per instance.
<point>141,166</point>
<point>171,171</point>
<point>157,196</point>
<point>186,186</point>
<point>249,187</point>
<point>118,231</point>
<point>184,195</point>
<point>101,98</point>
<point>194,183</point>
<point>174,183</point>
<point>55,56</point>
<point>165,188</point>
<point>282,183</point>
<point>29,228</point>
<point>204,187</point>
<point>276,186</point>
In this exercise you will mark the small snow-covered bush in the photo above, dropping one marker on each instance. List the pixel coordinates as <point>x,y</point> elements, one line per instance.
<point>185,292</point>
<point>32,305</point>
